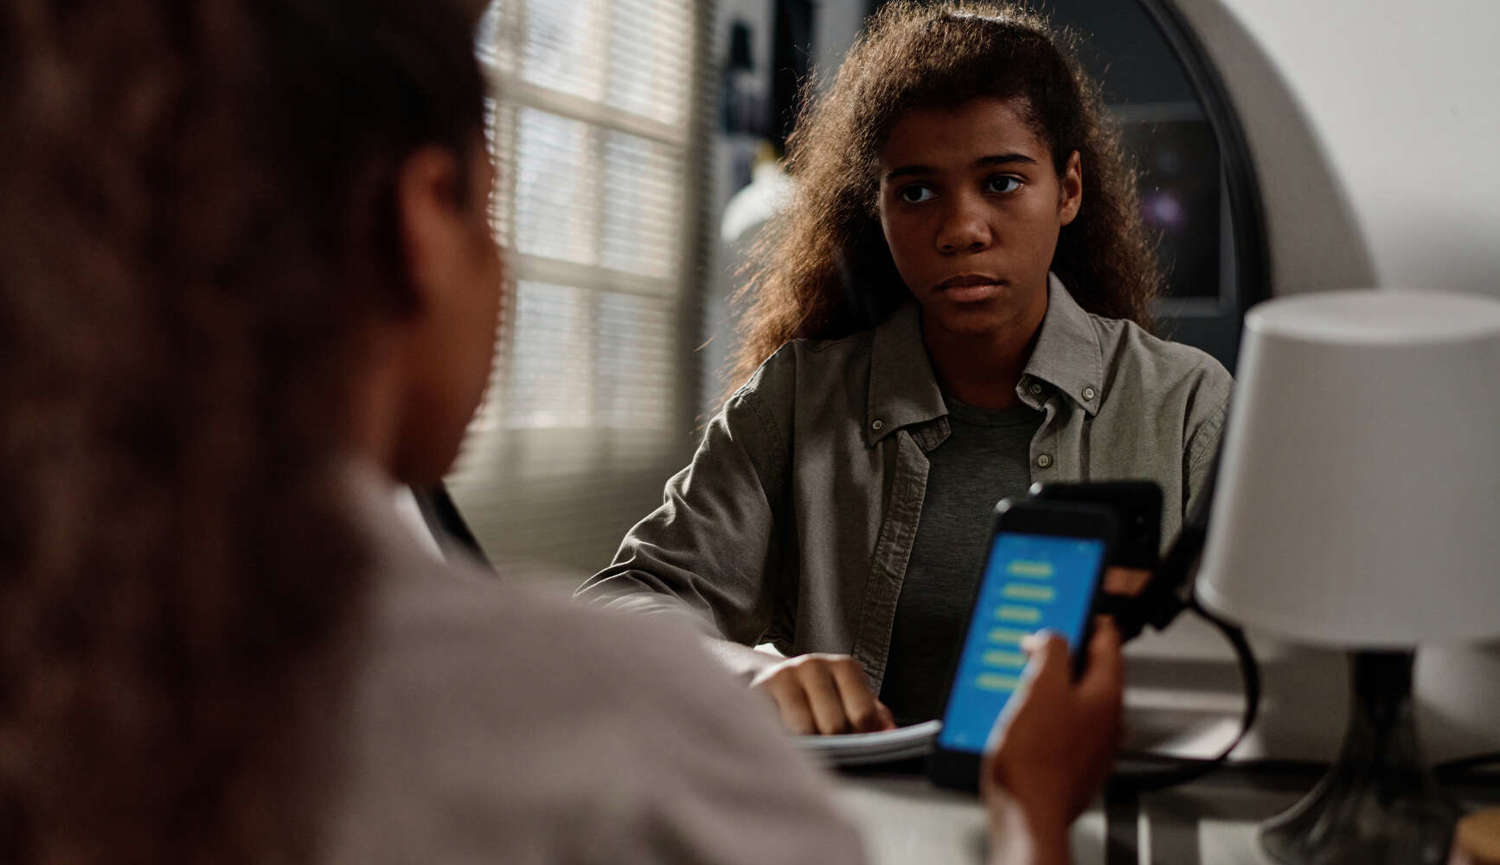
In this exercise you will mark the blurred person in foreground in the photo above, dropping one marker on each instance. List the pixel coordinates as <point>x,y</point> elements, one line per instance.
<point>249,288</point>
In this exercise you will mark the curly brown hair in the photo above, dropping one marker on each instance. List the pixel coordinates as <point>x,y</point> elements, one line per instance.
<point>827,271</point>
<point>197,231</point>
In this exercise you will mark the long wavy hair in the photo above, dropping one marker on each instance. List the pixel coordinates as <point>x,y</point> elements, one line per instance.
<point>197,227</point>
<point>826,268</point>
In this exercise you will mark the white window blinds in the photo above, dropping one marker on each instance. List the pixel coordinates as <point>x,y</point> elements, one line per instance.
<point>591,123</point>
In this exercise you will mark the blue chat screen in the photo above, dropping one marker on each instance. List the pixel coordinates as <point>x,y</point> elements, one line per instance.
<point>1031,582</point>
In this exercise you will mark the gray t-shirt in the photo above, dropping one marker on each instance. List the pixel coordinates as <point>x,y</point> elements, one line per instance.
<point>985,458</point>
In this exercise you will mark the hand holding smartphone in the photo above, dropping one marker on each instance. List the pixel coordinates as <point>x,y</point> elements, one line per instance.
<point>1042,570</point>
<point>1056,743</point>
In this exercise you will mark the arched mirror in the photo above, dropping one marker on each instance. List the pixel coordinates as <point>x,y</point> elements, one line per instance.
<point>1197,184</point>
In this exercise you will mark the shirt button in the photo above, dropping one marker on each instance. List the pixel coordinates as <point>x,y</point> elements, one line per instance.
<point>877,424</point>
<point>1043,460</point>
<point>1035,388</point>
<point>1089,393</point>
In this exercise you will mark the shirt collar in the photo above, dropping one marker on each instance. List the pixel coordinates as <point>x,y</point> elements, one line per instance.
<point>1067,354</point>
<point>904,390</point>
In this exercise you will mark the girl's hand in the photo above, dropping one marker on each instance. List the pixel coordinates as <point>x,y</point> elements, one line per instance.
<point>823,694</point>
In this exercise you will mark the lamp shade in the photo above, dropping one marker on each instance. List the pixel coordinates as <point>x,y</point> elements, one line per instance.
<point>1358,497</point>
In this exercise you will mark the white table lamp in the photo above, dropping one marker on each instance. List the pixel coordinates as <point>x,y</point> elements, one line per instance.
<point>1358,506</point>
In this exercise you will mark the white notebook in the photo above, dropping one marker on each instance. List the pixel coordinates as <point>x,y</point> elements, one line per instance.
<point>852,749</point>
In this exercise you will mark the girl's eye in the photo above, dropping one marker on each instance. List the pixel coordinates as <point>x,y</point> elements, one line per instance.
<point>1003,183</point>
<point>915,193</point>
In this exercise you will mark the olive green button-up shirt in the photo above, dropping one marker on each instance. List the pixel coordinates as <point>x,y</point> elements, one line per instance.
<point>795,520</point>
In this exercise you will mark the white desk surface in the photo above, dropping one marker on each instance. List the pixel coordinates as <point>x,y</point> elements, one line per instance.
<point>905,820</point>
<point>1183,696</point>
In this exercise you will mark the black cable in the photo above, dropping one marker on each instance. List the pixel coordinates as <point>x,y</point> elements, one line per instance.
<point>1180,770</point>
<point>1167,595</point>
<point>1482,768</point>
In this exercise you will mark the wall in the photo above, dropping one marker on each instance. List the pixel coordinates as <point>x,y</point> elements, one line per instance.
<point>1374,127</point>
<point>837,24</point>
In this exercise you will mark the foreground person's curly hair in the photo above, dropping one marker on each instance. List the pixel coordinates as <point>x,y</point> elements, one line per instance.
<point>197,225</point>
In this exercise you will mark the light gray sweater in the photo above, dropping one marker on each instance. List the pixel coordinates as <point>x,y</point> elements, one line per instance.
<point>493,724</point>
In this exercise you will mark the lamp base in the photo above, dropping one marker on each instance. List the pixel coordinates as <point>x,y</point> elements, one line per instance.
<point>1378,804</point>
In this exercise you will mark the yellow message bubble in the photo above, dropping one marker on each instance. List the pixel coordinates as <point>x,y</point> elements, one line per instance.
<point>1012,613</point>
<point>1010,636</point>
<point>1023,592</point>
<point>1035,570</point>
<point>996,682</point>
<point>1012,660</point>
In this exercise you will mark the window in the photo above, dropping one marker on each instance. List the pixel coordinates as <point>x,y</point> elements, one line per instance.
<point>591,124</point>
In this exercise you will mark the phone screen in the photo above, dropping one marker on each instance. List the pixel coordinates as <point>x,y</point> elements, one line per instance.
<point>1030,582</point>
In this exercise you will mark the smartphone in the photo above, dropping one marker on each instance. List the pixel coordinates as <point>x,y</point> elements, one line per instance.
<point>1136,505</point>
<point>1041,571</point>
<point>1137,509</point>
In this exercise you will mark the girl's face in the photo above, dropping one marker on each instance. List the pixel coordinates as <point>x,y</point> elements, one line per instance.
<point>971,208</point>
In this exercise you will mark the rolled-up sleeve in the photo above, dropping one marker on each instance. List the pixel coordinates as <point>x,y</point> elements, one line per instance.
<point>708,548</point>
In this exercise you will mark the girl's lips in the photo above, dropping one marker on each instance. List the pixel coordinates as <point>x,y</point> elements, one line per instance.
<point>970,292</point>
